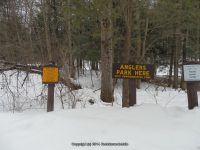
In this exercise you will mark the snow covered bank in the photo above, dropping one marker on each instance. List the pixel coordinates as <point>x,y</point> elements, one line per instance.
<point>160,121</point>
<point>144,127</point>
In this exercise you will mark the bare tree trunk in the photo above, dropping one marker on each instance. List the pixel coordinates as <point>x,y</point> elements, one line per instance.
<point>106,55</point>
<point>184,56</point>
<point>176,58</point>
<point>139,58</point>
<point>71,58</point>
<point>128,26</point>
<point>47,34</point>
<point>138,41</point>
<point>66,51</point>
<point>171,66</point>
<point>145,38</point>
<point>39,37</point>
<point>30,27</point>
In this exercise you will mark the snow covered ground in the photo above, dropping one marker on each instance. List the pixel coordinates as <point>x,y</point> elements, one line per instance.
<point>145,127</point>
<point>159,121</point>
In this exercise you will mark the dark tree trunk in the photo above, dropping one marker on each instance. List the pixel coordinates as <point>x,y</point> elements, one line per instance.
<point>183,85</point>
<point>106,56</point>
<point>176,58</point>
<point>171,66</point>
<point>94,65</point>
<point>126,56</point>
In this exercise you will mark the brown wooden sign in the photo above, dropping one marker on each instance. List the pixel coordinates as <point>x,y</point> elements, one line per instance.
<point>133,71</point>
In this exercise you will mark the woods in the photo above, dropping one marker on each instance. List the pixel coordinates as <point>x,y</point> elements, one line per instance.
<point>101,32</point>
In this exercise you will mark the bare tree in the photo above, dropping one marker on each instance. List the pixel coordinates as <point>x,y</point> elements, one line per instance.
<point>106,54</point>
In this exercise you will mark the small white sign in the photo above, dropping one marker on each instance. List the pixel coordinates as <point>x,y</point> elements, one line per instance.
<point>191,72</point>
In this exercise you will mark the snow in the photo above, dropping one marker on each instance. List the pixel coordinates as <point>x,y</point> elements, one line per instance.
<point>164,71</point>
<point>159,121</point>
<point>144,127</point>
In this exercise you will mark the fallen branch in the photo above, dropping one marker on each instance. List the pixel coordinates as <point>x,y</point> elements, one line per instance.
<point>34,69</point>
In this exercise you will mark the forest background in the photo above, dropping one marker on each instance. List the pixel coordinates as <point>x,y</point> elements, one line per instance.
<point>102,32</point>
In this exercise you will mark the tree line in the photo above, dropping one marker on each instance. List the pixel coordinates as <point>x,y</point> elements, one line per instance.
<point>68,32</point>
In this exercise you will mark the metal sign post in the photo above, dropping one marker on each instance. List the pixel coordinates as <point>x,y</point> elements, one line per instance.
<point>50,77</point>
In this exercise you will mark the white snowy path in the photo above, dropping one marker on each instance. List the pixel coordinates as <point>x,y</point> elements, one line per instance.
<point>144,127</point>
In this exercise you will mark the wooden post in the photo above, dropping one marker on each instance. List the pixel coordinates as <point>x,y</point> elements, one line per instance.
<point>131,72</point>
<point>192,95</point>
<point>132,92</point>
<point>50,75</point>
<point>50,102</point>
<point>192,77</point>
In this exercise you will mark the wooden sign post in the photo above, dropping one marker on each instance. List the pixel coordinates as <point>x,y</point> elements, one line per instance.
<point>50,77</point>
<point>192,77</point>
<point>132,93</point>
<point>192,95</point>
<point>133,72</point>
